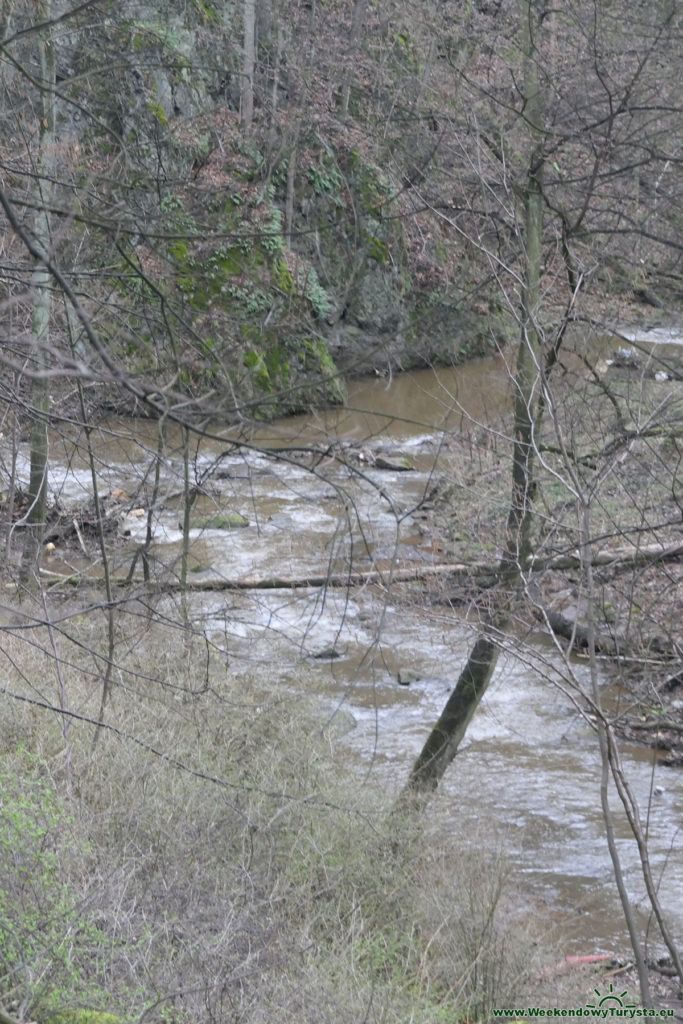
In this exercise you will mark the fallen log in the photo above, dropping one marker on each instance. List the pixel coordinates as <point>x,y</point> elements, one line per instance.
<point>660,725</point>
<point>400,573</point>
<point>578,635</point>
<point>635,555</point>
<point>606,643</point>
<point>384,576</point>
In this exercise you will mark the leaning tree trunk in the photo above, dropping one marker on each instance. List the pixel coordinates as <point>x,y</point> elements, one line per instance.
<point>446,736</point>
<point>42,305</point>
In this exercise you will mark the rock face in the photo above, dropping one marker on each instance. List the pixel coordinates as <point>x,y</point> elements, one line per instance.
<point>261,265</point>
<point>375,306</point>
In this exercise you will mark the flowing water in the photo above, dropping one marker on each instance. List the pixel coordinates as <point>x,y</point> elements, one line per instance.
<point>528,776</point>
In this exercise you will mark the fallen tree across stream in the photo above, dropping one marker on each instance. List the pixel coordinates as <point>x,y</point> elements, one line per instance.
<point>483,572</point>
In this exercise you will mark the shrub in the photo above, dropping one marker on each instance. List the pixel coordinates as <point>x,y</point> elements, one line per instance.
<point>284,889</point>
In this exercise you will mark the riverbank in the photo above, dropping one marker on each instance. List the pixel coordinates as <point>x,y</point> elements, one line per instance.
<point>457,479</point>
<point>329,496</point>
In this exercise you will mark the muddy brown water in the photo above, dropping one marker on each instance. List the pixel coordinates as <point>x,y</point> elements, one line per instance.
<point>528,776</point>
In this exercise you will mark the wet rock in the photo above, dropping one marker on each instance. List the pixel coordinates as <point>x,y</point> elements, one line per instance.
<point>625,358</point>
<point>217,521</point>
<point>132,522</point>
<point>649,297</point>
<point>406,676</point>
<point>396,467</point>
<point>327,654</point>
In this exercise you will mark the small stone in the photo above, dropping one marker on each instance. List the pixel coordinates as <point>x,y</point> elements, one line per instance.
<point>327,654</point>
<point>406,676</point>
<point>625,357</point>
<point>395,467</point>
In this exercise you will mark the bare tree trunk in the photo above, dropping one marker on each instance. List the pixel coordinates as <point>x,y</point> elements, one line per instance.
<point>187,508</point>
<point>274,95</point>
<point>5,18</point>
<point>106,568</point>
<point>446,736</point>
<point>42,307</point>
<point>603,740</point>
<point>357,18</point>
<point>13,420</point>
<point>248,64</point>
<point>291,181</point>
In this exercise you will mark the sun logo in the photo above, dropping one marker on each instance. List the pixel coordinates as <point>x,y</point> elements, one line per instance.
<point>611,998</point>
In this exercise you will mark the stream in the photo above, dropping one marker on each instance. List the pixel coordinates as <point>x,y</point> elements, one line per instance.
<point>527,780</point>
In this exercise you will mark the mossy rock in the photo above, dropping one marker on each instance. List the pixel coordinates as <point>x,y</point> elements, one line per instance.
<point>82,1017</point>
<point>217,521</point>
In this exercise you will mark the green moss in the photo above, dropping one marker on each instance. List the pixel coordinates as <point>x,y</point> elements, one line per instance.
<point>317,360</point>
<point>218,521</point>
<point>377,249</point>
<point>254,361</point>
<point>232,260</point>
<point>373,189</point>
<point>269,365</point>
<point>206,11</point>
<point>82,1017</point>
<point>179,251</point>
<point>283,278</point>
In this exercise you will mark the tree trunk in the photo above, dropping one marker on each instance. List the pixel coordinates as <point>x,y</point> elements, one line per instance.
<point>446,736</point>
<point>291,181</point>
<point>248,63</point>
<point>444,739</point>
<point>603,740</point>
<point>42,307</point>
<point>274,94</point>
<point>357,18</point>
